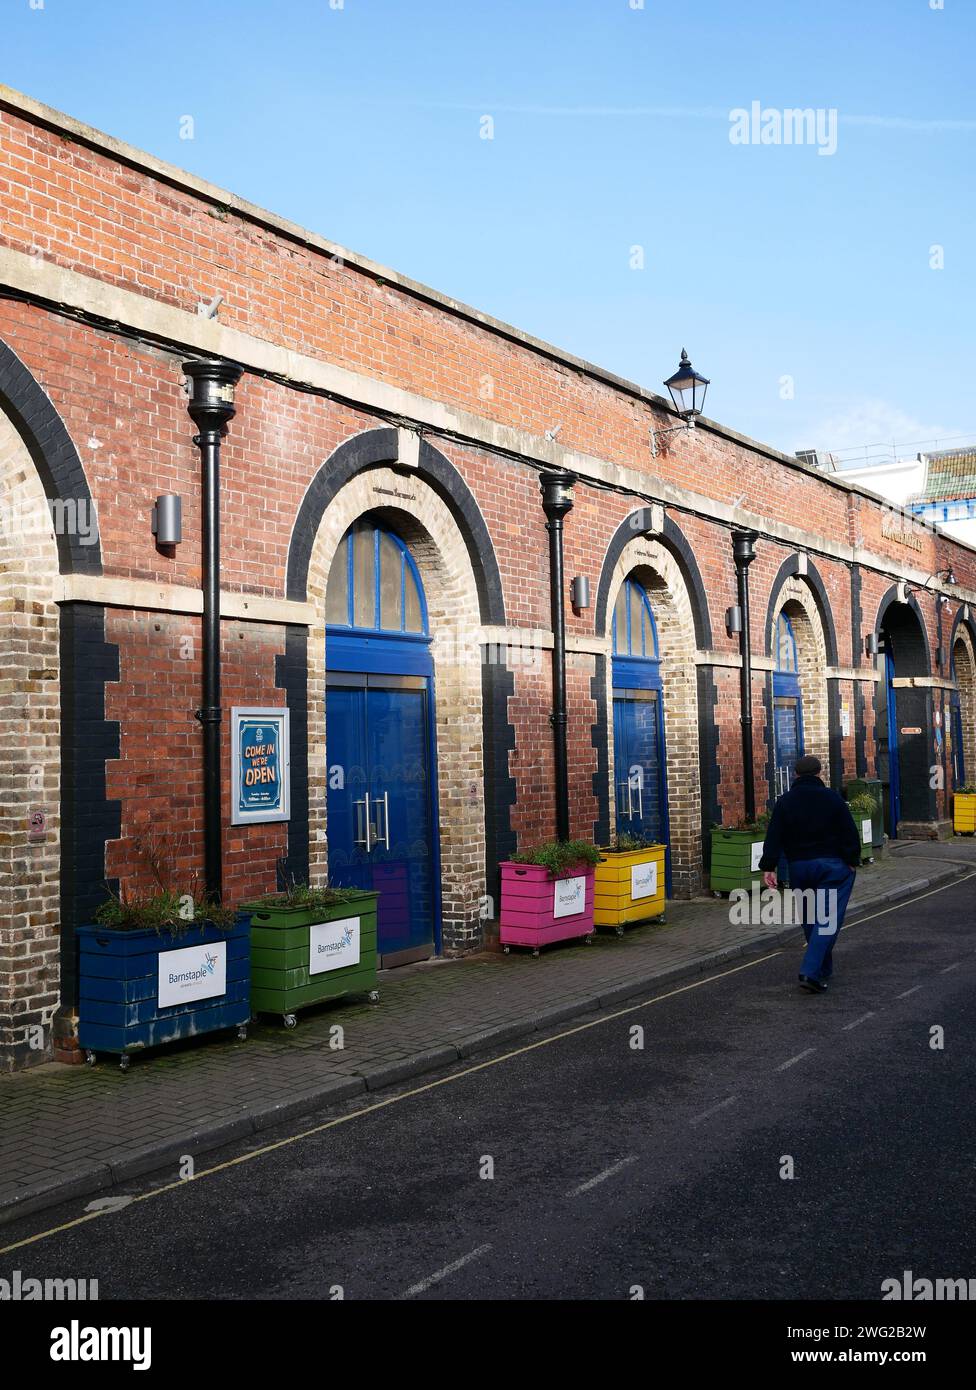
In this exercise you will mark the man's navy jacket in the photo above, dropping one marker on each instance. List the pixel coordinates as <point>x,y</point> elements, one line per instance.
<point>811,822</point>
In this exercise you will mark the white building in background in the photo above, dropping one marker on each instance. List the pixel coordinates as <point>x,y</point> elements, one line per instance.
<point>939,486</point>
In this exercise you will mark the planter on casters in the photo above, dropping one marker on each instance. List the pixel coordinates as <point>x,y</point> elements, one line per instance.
<point>302,955</point>
<point>538,908</point>
<point>735,859</point>
<point>143,988</point>
<point>629,887</point>
<point>964,813</point>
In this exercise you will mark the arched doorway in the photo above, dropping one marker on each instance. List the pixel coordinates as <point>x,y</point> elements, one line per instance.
<point>962,731</point>
<point>381,805</point>
<point>903,717</point>
<point>639,750</point>
<point>800,641</point>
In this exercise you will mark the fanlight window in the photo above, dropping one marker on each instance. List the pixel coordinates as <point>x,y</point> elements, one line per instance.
<point>633,628</point>
<point>785,646</point>
<point>374,583</point>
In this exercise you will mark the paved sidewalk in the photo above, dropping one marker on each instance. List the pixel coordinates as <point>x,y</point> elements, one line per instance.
<point>69,1131</point>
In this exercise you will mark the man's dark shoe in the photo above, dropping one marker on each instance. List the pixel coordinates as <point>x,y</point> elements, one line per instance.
<point>812,986</point>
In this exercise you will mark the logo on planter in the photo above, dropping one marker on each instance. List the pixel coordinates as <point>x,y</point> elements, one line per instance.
<point>643,880</point>
<point>866,831</point>
<point>569,897</point>
<point>757,850</point>
<point>332,944</point>
<point>195,972</point>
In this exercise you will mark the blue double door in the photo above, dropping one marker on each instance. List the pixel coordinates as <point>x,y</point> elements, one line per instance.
<point>380,805</point>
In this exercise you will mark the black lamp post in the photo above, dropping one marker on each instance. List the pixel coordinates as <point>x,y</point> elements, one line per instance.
<point>211,406</point>
<point>744,552</point>
<point>557,499</point>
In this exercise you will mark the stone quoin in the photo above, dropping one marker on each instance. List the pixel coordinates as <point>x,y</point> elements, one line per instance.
<point>385,578</point>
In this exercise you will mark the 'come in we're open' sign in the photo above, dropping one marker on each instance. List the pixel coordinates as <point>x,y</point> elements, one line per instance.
<point>259,766</point>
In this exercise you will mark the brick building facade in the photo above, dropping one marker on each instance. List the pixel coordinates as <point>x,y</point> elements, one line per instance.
<point>375,407</point>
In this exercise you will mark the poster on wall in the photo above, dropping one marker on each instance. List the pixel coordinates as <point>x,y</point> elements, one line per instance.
<point>259,766</point>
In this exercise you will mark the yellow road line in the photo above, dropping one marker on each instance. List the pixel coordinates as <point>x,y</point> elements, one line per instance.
<point>446,1080</point>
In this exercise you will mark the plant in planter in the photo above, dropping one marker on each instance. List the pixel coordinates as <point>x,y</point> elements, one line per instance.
<point>309,944</point>
<point>547,894</point>
<point>629,883</point>
<point>158,964</point>
<point>736,852</point>
<point>864,799</point>
<point>964,809</point>
<point>866,810</point>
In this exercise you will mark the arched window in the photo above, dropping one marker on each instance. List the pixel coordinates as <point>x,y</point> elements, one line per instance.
<point>374,584</point>
<point>786,660</point>
<point>633,628</point>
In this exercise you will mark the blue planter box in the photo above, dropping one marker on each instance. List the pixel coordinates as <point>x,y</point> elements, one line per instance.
<point>119,1008</point>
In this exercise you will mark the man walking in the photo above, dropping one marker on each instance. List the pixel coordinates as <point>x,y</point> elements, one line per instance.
<point>812,827</point>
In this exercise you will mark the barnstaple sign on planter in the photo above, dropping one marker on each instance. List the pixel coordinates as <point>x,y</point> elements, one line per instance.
<point>196,972</point>
<point>259,766</point>
<point>569,896</point>
<point>333,944</point>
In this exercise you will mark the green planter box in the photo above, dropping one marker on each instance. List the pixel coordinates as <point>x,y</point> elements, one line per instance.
<point>872,837</point>
<point>734,852</point>
<point>302,956</point>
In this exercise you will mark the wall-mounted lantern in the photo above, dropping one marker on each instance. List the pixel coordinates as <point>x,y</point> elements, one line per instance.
<point>733,620</point>
<point>579,592</point>
<point>687,389</point>
<point>871,645</point>
<point>167,519</point>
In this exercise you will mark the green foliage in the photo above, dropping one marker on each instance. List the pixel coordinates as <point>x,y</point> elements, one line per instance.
<point>864,805</point>
<point>969,789</point>
<point>162,911</point>
<point>560,856</point>
<point>626,843</point>
<point>301,895</point>
<point>758,826</point>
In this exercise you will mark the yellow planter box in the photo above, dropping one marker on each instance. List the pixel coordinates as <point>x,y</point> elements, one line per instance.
<point>629,887</point>
<point>963,814</point>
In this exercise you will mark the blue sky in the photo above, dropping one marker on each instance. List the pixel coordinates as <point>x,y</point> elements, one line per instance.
<point>611,131</point>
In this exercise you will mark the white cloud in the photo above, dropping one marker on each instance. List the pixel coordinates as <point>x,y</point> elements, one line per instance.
<point>870,429</point>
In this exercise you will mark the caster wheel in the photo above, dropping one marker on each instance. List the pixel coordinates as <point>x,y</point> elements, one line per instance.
<point>242,1032</point>
<point>289,1020</point>
<point>90,1059</point>
<point>506,950</point>
<point>124,1062</point>
<point>374,996</point>
<point>661,921</point>
<point>535,951</point>
<point>588,940</point>
<point>619,931</point>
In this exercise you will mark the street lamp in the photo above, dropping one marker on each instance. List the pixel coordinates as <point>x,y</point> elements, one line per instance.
<point>687,390</point>
<point>556,486</point>
<point>211,407</point>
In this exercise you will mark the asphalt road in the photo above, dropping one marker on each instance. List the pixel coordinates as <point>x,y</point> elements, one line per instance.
<point>614,1167</point>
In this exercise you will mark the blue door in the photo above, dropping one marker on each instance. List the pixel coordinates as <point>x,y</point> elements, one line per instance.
<point>379,806</point>
<point>639,752</point>
<point>886,732</point>
<point>382,795</point>
<point>787,707</point>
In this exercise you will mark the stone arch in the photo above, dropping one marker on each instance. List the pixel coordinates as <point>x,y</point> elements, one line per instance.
<point>55,459</point>
<point>653,565</point>
<point>379,447</point>
<point>797,599</point>
<point>427,524</point>
<point>801,566</point>
<point>30,766</point>
<point>963,654</point>
<point>902,633</point>
<point>671,539</point>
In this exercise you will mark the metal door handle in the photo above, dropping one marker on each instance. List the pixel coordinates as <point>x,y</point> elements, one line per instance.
<point>630,799</point>
<point>385,836</point>
<point>363,839</point>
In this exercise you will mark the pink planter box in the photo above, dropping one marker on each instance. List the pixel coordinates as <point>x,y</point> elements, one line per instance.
<point>537,909</point>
